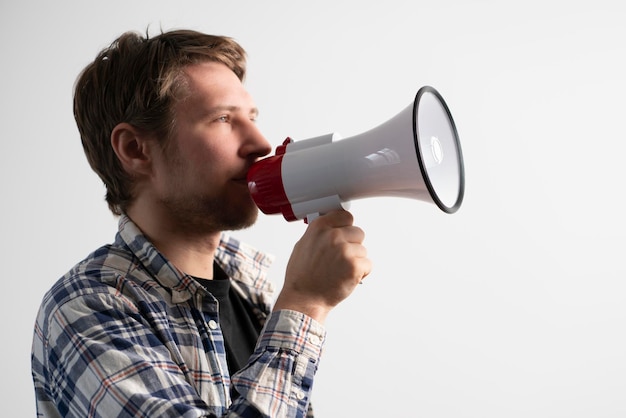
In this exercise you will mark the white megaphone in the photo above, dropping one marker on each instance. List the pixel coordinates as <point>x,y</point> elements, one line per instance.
<point>415,155</point>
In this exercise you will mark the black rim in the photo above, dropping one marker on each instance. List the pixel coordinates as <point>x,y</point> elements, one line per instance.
<point>431,189</point>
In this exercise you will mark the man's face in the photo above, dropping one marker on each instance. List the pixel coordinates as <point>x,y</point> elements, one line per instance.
<point>201,176</point>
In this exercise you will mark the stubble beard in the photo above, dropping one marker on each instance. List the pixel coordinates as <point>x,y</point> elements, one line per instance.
<point>202,214</point>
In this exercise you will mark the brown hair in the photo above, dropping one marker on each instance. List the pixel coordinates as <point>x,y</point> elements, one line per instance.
<point>137,80</point>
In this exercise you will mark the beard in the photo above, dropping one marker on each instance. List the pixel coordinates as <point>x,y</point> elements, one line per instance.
<point>229,207</point>
<point>198,214</point>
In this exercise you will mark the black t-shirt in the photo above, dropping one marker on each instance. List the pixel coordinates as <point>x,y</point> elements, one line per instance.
<point>239,325</point>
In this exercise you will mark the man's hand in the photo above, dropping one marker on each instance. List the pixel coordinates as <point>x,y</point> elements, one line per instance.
<point>326,265</point>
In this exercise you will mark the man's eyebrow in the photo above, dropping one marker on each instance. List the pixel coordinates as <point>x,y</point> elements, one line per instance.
<point>254,112</point>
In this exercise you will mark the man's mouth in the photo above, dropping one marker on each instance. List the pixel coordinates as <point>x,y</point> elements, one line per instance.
<point>241,180</point>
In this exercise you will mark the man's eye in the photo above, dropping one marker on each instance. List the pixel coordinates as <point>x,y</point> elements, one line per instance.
<point>223,118</point>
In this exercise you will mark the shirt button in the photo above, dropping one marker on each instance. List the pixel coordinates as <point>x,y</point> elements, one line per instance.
<point>212,324</point>
<point>300,395</point>
<point>315,340</point>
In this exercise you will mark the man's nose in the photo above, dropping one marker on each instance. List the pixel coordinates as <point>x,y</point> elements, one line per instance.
<point>256,144</point>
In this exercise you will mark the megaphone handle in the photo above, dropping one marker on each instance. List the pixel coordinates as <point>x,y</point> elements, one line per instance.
<point>311,217</point>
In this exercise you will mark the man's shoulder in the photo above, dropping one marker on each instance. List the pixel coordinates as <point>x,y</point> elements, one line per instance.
<point>105,262</point>
<point>95,274</point>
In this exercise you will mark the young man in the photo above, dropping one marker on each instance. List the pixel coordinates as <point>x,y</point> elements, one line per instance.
<point>175,318</point>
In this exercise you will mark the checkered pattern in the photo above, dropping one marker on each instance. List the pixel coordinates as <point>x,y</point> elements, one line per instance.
<point>126,334</point>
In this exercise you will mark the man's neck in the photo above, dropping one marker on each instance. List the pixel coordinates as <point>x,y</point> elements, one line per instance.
<point>192,252</point>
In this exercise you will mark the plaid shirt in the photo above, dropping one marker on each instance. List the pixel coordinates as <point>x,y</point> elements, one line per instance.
<point>126,334</point>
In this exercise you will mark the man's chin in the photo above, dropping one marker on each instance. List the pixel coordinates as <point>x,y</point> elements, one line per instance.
<point>242,221</point>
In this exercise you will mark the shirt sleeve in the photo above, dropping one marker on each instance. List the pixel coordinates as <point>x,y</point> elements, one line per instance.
<point>279,377</point>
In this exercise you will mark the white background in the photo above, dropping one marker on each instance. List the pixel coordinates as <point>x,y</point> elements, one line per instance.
<point>515,306</point>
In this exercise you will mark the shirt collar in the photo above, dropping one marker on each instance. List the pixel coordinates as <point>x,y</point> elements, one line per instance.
<point>240,261</point>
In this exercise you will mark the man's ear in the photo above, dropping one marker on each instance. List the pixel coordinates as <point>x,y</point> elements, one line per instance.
<point>132,149</point>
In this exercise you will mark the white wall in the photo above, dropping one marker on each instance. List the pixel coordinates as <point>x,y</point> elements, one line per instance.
<point>512,307</point>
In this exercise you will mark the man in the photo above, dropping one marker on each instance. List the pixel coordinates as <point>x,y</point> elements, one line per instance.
<point>174,318</point>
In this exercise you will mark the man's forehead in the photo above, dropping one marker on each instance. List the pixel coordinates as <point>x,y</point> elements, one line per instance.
<point>210,72</point>
<point>212,88</point>
<point>215,80</point>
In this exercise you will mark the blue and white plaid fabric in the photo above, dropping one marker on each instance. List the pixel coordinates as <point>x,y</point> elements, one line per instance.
<point>126,334</point>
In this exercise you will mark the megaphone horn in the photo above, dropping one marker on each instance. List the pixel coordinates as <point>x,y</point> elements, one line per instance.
<point>416,155</point>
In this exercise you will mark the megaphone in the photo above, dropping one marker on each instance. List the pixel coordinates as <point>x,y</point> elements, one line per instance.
<point>416,155</point>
